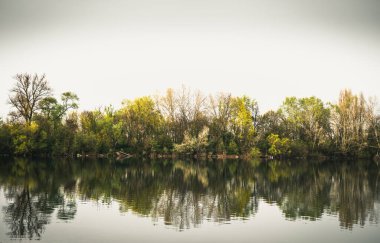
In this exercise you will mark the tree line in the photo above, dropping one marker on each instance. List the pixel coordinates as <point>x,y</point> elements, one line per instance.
<point>187,122</point>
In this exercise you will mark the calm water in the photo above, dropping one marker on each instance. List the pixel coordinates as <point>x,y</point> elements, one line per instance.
<point>188,201</point>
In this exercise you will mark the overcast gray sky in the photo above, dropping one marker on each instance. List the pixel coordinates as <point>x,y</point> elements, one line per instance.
<point>107,51</point>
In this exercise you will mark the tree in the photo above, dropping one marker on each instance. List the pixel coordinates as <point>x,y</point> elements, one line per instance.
<point>278,146</point>
<point>307,119</point>
<point>220,112</point>
<point>168,107</point>
<point>27,93</point>
<point>244,112</point>
<point>49,120</point>
<point>142,123</point>
<point>351,120</point>
<point>48,106</point>
<point>374,128</point>
<point>269,122</point>
<point>191,114</point>
<point>374,136</point>
<point>55,111</point>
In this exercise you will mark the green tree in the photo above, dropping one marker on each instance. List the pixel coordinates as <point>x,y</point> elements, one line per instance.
<point>87,139</point>
<point>278,146</point>
<point>307,119</point>
<point>28,139</point>
<point>142,121</point>
<point>268,123</point>
<point>242,122</point>
<point>55,111</point>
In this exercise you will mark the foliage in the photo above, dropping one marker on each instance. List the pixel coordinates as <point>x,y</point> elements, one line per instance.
<point>186,121</point>
<point>351,123</point>
<point>255,153</point>
<point>307,119</point>
<point>242,122</point>
<point>193,144</point>
<point>6,145</point>
<point>278,146</point>
<point>142,121</point>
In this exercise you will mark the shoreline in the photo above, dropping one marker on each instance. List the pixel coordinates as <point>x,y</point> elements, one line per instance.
<point>199,156</point>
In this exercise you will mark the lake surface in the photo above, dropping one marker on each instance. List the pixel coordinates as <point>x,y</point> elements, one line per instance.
<point>189,201</point>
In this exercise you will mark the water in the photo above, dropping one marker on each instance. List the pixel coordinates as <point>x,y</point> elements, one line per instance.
<point>189,201</point>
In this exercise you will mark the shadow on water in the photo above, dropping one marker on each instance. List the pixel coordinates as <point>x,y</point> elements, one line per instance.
<point>183,194</point>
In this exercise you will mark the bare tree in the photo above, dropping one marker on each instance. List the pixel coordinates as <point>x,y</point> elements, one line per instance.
<point>27,93</point>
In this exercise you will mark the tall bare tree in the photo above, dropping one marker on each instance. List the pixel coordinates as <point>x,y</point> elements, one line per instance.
<point>27,93</point>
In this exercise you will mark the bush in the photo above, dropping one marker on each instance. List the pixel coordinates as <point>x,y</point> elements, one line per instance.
<point>192,144</point>
<point>255,153</point>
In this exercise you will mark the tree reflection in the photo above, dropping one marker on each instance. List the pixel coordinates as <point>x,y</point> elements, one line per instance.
<point>33,193</point>
<point>184,194</point>
<point>353,196</point>
<point>24,216</point>
<point>307,190</point>
<point>217,195</point>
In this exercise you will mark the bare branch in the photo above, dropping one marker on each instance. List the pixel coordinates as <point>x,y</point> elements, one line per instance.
<point>27,93</point>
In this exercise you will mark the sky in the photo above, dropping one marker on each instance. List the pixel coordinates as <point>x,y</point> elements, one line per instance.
<point>108,51</point>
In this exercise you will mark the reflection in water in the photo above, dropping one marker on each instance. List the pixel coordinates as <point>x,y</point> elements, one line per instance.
<point>27,214</point>
<point>33,193</point>
<point>185,193</point>
<point>308,190</point>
